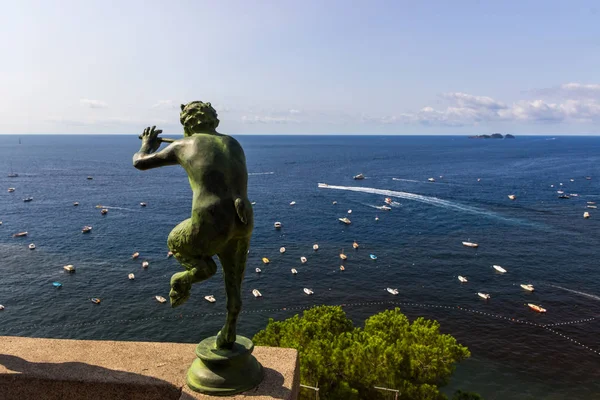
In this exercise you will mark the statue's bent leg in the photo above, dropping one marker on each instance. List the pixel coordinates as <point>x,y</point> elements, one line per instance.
<point>198,267</point>
<point>233,259</point>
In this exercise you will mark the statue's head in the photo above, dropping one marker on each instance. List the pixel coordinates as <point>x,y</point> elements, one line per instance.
<point>198,117</point>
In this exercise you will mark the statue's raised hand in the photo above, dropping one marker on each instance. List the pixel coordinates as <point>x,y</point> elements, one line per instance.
<point>150,139</point>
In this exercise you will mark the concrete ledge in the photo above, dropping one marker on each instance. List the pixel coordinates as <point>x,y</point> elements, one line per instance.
<point>53,369</point>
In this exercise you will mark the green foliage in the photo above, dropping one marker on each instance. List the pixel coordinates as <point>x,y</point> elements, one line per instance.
<point>460,395</point>
<point>346,362</point>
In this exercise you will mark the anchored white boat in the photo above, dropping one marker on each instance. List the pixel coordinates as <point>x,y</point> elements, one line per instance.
<point>293,203</point>
<point>258,270</point>
<point>256,293</point>
<point>10,190</point>
<point>69,268</point>
<point>462,279</point>
<point>315,247</point>
<point>345,220</point>
<point>586,215</point>
<point>142,204</point>
<point>537,308</point>
<point>294,271</point>
<point>135,255</point>
<point>160,299</point>
<point>512,196</point>
<point>1,307</point>
<point>343,256</point>
<point>359,177</point>
<point>265,260</point>
<point>334,202</point>
<point>277,225</point>
<point>131,276</point>
<point>392,291</point>
<point>104,211</point>
<point>169,254</point>
<point>303,259</point>
<point>383,208</point>
<point>483,295</point>
<point>499,269</point>
<point>528,287</point>
<point>470,244</point>
<point>591,206</point>
<point>145,264</point>
<point>282,250</point>
<point>388,200</point>
<point>31,246</point>
<point>86,229</point>
<point>210,298</point>
<point>376,218</point>
<point>342,268</point>
<point>431,179</point>
<point>308,291</point>
<point>20,234</point>
<point>355,245</point>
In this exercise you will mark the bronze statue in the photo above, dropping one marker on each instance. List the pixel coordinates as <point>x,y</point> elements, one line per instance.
<point>222,219</point>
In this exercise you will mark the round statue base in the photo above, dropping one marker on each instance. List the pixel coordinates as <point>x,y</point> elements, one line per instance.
<point>224,372</point>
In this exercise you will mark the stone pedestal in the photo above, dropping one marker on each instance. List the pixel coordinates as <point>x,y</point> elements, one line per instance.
<point>58,369</point>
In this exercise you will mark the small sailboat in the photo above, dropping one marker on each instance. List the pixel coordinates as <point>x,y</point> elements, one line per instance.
<point>302,259</point>
<point>470,244</point>
<point>145,264</point>
<point>342,255</point>
<point>160,299</point>
<point>69,268</point>
<point>135,255</point>
<point>499,269</point>
<point>10,190</point>
<point>342,268</point>
<point>31,246</point>
<point>131,276</point>
<point>142,204</point>
<point>293,203</point>
<point>20,234</point>
<point>75,203</point>
<point>536,308</point>
<point>265,260</point>
<point>210,298</point>
<point>528,287</point>
<point>462,279</point>
<point>373,256</point>
<point>512,196</point>
<point>256,293</point>
<point>484,295</point>
<point>392,291</point>
<point>56,284</point>
<point>315,247</point>
<point>104,211</point>
<point>86,229</point>
<point>586,215</point>
<point>95,300</point>
<point>355,245</point>
<point>277,225</point>
<point>345,220</point>
<point>282,250</point>
<point>258,270</point>
<point>308,291</point>
<point>359,177</point>
<point>294,271</point>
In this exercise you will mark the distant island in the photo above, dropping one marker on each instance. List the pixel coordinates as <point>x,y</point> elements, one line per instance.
<point>493,136</point>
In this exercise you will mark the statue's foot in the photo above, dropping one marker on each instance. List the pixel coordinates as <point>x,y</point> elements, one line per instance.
<point>225,341</point>
<point>181,285</point>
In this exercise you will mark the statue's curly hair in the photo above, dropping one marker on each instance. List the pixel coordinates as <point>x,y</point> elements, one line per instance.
<point>197,116</point>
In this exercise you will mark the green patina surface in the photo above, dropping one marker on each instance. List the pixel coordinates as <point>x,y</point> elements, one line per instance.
<point>221,221</point>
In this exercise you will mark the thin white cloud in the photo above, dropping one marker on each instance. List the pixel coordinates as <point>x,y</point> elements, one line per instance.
<point>93,103</point>
<point>267,119</point>
<point>593,87</point>
<point>165,104</point>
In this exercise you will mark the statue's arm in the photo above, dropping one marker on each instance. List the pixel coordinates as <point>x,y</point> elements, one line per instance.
<point>143,159</point>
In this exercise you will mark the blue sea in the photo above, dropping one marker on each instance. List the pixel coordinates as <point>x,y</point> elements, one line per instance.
<point>538,238</point>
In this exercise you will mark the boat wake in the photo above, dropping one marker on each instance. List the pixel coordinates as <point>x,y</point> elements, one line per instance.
<point>588,295</point>
<point>405,180</point>
<point>261,173</point>
<point>433,201</point>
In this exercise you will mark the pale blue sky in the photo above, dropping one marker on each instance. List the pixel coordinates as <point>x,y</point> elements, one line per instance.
<point>398,67</point>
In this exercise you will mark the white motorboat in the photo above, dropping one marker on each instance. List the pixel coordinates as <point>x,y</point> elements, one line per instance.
<point>145,264</point>
<point>591,202</point>
<point>75,203</point>
<point>20,234</point>
<point>462,279</point>
<point>342,268</point>
<point>28,199</point>
<point>392,291</point>
<point>342,255</point>
<point>210,298</point>
<point>345,220</point>
<point>536,308</point>
<point>258,270</point>
<point>293,203</point>
<point>528,287</point>
<point>31,246</point>
<point>349,211</point>
<point>160,299</point>
<point>277,225</point>
<point>265,260</point>
<point>142,204</point>
<point>135,255</point>
<point>169,254</point>
<point>355,245</point>
<point>512,196</point>
<point>499,269</point>
<point>282,250</point>
<point>294,271</point>
<point>131,276</point>
<point>308,291</point>
<point>376,218</point>
<point>388,200</point>
<point>470,244</point>
<point>303,259</point>
<point>586,215</point>
<point>86,229</point>
<point>334,202</point>
<point>359,177</point>
<point>104,211</point>
<point>69,268</point>
<point>383,208</point>
<point>572,180</point>
<point>256,293</point>
<point>10,190</point>
<point>484,295</point>
<point>593,207</point>
<point>431,179</point>
<point>1,307</point>
<point>315,247</point>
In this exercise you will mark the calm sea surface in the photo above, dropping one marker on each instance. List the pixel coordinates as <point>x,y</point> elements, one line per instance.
<point>538,239</point>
